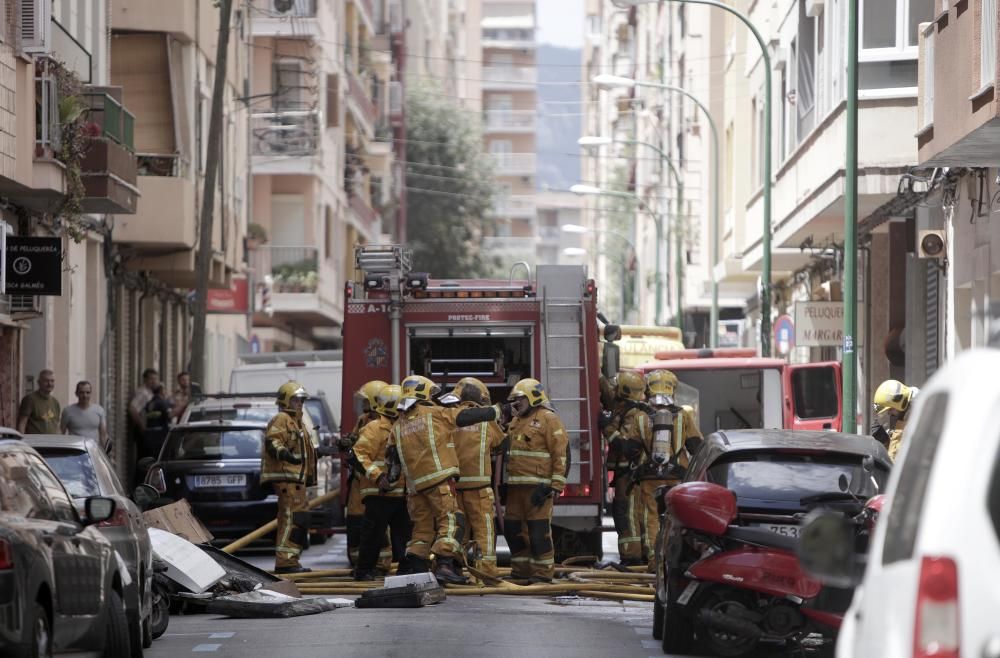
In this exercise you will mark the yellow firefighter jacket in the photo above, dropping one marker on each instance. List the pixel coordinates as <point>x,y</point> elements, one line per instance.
<point>285,431</point>
<point>422,437</point>
<point>538,449</point>
<point>474,445</point>
<point>896,438</point>
<point>369,450</point>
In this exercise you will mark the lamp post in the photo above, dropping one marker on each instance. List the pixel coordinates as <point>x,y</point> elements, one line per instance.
<point>605,80</point>
<point>765,297</point>
<point>578,229</point>
<point>604,141</point>
<point>848,357</point>
<point>590,190</point>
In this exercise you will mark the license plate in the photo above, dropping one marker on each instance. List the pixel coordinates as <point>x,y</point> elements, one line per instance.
<point>227,480</point>
<point>781,529</point>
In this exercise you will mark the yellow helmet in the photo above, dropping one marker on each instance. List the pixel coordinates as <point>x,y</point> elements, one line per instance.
<point>418,387</point>
<point>631,385</point>
<point>662,386</point>
<point>386,401</point>
<point>369,391</point>
<point>470,389</point>
<point>893,395</point>
<point>288,391</point>
<point>531,389</point>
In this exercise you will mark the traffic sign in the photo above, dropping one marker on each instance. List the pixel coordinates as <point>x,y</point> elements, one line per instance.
<point>784,335</point>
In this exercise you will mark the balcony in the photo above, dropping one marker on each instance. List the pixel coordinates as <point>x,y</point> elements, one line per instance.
<point>509,121</point>
<point>362,210</point>
<point>109,171</point>
<point>551,233</point>
<point>285,142</point>
<point>366,12</point>
<point>514,164</point>
<point>509,77</point>
<point>285,18</point>
<point>509,245</point>
<point>163,184</point>
<point>301,284</point>
<point>360,105</point>
<point>396,102</point>
<point>509,38</point>
<point>517,206</point>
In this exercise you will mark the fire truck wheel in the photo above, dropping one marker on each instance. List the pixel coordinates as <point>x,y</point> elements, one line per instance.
<point>572,543</point>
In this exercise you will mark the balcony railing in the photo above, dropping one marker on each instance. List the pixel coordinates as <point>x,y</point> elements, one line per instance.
<point>362,209</point>
<point>292,269</point>
<point>291,133</point>
<point>513,75</point>
<point>48,130</point>
<point>550,232</point>
<point>514,163</point>
<point>359,93</point>
<point>161,164</point>
<point>514,206</point>
<point>114,121</point>
<point>508,37</point>
<point>510,119</point>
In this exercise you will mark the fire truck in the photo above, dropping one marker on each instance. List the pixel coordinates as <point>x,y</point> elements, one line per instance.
<point>733,388</point>
<point>399,322</point>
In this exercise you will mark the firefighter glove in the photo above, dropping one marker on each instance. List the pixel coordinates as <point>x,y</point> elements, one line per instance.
<point>604,419</point>
<point>879,433</point>
<point>506,413</point>
<point>345,442</point>
<point>383,483</point>
<point>285,455</point>
<point>541,492</point>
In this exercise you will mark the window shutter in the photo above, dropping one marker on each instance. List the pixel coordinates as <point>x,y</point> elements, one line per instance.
<point>332,100</point>
<point>35,25</point>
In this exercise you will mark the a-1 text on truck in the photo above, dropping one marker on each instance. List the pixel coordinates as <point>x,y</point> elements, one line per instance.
<point>733,388</point>
<point>399,322</point>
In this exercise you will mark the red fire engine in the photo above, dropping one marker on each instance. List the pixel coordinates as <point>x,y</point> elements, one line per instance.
<point>400,322</point>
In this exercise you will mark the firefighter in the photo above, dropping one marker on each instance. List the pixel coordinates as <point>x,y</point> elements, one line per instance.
<point>355,510</point>
<point>288,464</point>
<point>385,501</point>
<point>475,445</point>
<point>536,472</point>
<point>893,401</point>
<point>629,429</point>
<point>666,451</point>
<point>421,444</point>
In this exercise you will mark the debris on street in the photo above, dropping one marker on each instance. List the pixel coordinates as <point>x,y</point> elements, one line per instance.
<point>410,591</point>
<point>264,603</point>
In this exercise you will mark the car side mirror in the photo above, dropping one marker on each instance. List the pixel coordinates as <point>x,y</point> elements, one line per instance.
<point>827,549</point>
<point>144,496</point>
<point>98,508</point>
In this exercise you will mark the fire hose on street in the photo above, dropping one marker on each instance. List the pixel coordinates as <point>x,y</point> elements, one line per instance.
<point>269,527</point>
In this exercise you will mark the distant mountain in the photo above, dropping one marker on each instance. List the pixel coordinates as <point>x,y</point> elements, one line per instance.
<point>559,116</point>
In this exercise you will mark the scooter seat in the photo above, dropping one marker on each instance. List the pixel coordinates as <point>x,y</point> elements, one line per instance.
<point>761,537</point>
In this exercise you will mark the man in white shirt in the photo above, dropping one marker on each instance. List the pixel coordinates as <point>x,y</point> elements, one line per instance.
<point>86,418</point>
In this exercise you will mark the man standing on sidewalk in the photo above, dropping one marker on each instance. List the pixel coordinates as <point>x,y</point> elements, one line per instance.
<point>86,418</point>
<point>39,411</point>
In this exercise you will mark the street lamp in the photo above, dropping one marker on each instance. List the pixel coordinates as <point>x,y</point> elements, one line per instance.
<point>678,270</point>
<point>765,297</point>
<point>590,190</point>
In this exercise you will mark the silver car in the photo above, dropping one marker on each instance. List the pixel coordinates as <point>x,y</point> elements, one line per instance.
<point>85,470</point>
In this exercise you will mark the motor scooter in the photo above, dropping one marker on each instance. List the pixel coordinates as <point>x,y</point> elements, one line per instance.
<point>729,588</point>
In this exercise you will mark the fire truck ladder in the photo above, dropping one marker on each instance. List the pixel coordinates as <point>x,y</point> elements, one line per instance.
<point>565,368</point>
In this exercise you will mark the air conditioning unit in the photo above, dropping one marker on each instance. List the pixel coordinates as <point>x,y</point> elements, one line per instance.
<point>35,25</point>
<point>282,6</point>
<point>25,306</point>
<point>931,244</point>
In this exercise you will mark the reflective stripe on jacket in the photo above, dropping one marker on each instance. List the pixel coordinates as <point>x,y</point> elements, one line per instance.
<point>475,445</point>
<point>422,437</point>
<point>538,449</point>
<point>369,450</point>
<point>285,431</point>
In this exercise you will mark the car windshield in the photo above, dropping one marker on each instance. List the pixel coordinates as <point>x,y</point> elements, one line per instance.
<point>260,414</point>
<point>76,470</point>
<point>195,444</point>
<point>782,478</point>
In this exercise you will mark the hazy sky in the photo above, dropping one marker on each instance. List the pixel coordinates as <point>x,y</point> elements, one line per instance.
<point>560,22</point>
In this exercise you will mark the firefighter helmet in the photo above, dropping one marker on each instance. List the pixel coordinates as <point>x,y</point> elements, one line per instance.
<point>631,385</point>
<point>386,401</point>
<point>531,389</point>
<point>289,391</point>
<point>369,391</point>
<point>662,385</point>
<point>418,387</point>
<point>893,395</point>
<point>470,389</point>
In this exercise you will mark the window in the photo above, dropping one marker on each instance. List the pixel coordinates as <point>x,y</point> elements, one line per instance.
<point>290,85</point>
<point>988,43</point>
<point>730,169</point>
<point>51,488</point>
<point>805,71</point>
<point>814,390</point>
<point>76,471</point>
<point>908,499</point>
<point>215,444</point>
<point>889,27</point>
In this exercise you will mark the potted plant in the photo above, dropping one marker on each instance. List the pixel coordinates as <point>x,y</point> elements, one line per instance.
<point>256,235</point>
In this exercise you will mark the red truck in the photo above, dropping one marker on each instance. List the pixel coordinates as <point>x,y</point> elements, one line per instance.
<point>399,322</point>
<point>733,388</point>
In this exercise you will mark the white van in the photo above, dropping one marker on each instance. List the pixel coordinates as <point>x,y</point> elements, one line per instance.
<point>320,372</point>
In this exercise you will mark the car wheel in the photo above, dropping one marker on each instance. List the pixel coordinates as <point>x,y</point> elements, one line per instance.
<point>116,633</point>
<point>159,619</point>
<point>676,632</point>
<point>41,633</point>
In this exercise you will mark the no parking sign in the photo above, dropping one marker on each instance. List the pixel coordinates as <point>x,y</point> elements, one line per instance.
<point>784,335</point>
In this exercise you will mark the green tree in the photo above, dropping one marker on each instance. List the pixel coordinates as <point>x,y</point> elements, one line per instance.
<point>450,186</point>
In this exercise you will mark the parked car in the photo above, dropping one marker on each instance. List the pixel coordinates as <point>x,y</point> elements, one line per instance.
<point>929,588</point>
<point>86,471</point>
<point>62,584</point>
<point>262,408</point>
<point>777,476</point>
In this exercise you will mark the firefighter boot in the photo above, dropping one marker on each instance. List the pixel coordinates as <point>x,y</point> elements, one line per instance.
<point>448,572</point>
<point>412,564</point>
